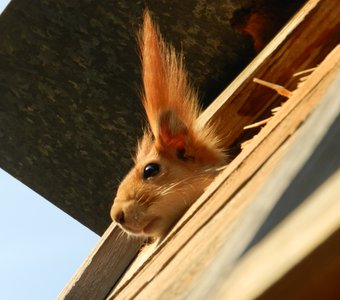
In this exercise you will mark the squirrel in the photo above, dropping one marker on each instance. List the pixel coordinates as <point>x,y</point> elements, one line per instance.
<point>176,158</point>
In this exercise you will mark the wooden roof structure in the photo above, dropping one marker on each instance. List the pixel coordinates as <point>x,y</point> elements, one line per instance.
<point>268,226</point>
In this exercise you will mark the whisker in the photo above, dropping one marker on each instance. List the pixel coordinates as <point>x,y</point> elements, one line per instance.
<point>182,187</point>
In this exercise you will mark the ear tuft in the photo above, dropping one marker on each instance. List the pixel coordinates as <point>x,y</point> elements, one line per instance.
<point>169,101</point>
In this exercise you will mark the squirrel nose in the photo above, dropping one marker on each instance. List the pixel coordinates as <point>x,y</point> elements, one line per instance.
<point>119,217</point>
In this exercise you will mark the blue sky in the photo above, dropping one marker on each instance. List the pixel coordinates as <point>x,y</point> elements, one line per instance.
<point>40,246</point>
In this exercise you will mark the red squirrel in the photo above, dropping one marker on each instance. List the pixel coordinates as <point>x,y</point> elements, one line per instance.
<point>176,158</point>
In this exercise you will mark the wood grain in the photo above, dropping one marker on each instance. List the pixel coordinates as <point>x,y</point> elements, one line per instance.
<point>304,246</point>
<point>303,43</point>
<point>315,155</point>
<point>103,266</point>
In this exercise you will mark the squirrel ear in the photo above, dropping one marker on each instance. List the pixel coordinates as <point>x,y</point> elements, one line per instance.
<point>172,131</point>
<point>169,101</point>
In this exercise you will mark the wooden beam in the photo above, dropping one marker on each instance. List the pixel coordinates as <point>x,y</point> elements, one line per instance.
<point>303,43</point>
<point>298,260</point>
<point>103,266</point>
<point>211,210</point>
<point>315,155</point>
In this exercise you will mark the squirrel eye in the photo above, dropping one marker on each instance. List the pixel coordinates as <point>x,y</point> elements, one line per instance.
<point>151,170</point>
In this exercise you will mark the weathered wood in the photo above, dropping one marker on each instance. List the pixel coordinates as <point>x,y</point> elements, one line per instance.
<point>167,259</point>
<point>314,156</point>
<point>103,266</point>
<point>303,43</point>
<point>320,280</point>
<point>299,259</point>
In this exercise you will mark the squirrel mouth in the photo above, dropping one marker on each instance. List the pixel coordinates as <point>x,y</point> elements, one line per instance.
<point>151,226</point>
<point>147,229</point>
<point>131,230</point>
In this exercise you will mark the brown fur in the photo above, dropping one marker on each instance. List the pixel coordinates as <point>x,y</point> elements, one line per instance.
<point>186,153</point>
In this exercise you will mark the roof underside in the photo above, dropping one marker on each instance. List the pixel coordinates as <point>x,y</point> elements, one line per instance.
<point>70,77</point>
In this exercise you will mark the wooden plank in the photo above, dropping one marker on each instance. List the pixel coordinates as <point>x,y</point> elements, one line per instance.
<point>298,260</point>
<point>320,280</point>
<point>315,155</point>
<point>303,43</point>
<point>186,234</point>
<point>103,266</point>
